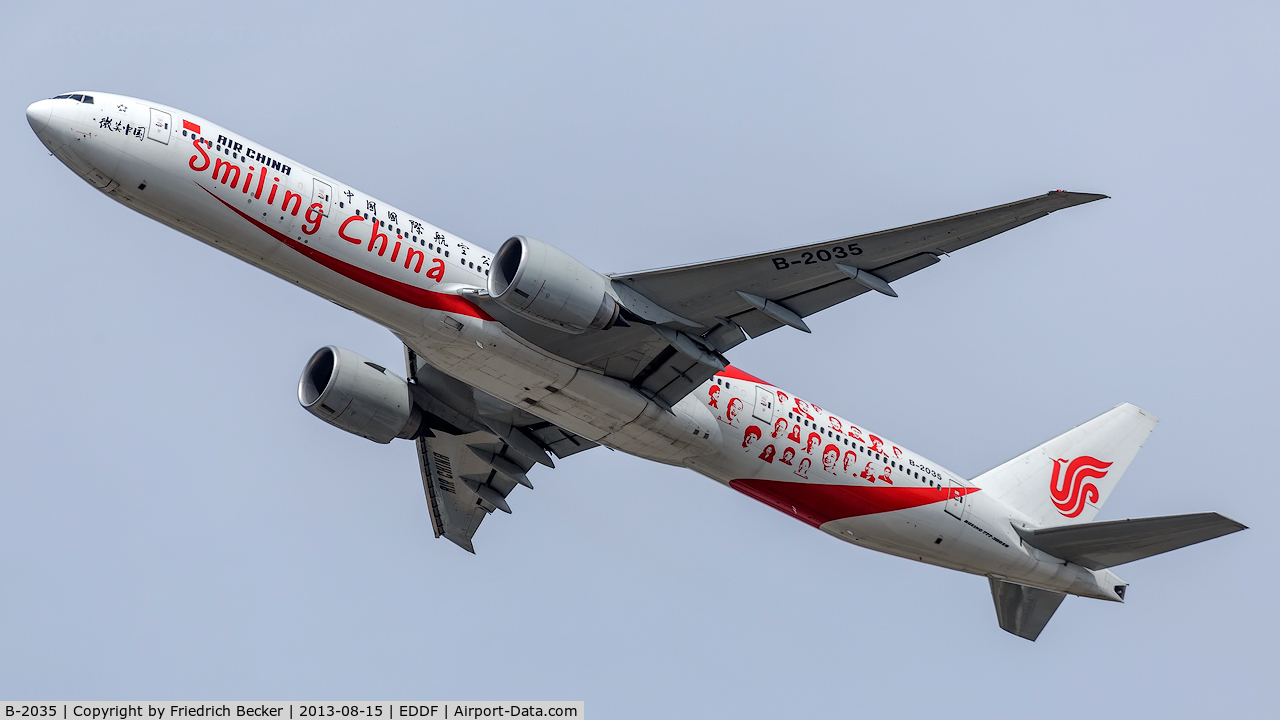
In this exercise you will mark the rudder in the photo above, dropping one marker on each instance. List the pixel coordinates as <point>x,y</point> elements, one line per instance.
<point>1066,480</point>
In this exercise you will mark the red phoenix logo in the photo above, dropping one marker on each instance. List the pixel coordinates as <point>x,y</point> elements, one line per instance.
<point>1068,487</point>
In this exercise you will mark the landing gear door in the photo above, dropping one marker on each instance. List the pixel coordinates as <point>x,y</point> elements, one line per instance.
<point>955,500</point>
<point>320,192</point>
<point>764,405</point>
<point>160,127</point>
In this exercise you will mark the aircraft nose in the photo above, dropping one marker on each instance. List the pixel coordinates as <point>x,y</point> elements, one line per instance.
<point>38,114</point>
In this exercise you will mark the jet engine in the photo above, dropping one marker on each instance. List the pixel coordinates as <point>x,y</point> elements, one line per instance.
<point>358,395</point>
<point>547,286</point>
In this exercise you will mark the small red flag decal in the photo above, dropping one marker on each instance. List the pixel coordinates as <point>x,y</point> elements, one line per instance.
<point>188,125</point>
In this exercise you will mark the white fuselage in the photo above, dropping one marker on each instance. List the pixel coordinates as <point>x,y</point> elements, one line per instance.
<point>406,274</point>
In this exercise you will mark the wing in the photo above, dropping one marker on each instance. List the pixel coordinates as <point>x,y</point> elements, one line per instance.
<point>684,318</point>
<point>803,280</point>
<point>476,451</point>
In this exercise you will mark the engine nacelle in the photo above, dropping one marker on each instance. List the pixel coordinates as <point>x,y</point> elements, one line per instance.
<point>353,393</point>
<point>550,287</point>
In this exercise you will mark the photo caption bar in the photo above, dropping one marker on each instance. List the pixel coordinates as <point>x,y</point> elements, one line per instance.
<point>180,710</point>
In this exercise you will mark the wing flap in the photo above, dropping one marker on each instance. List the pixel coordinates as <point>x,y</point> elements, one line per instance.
<point>671,376</point>
<point>462,486</point>
<point>821,298</point>
<point>559,441</point>
<point>843,288</point>
<point>455,512</point>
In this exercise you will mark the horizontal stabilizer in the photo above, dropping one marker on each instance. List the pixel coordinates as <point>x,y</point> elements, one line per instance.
<point>1022,610</point>
<point>1107,544</point>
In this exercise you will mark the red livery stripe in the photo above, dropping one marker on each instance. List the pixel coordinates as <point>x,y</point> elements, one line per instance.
<point>411,294</point>
<point>818,503</point>
<point>734,373</point>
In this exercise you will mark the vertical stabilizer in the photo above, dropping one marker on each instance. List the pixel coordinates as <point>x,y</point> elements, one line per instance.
<point>1066,480</point>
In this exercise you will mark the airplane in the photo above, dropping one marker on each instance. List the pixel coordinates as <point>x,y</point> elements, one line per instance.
<point>521,355</point>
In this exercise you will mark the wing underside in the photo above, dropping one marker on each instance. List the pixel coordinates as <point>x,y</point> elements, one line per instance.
<point>478,449</point>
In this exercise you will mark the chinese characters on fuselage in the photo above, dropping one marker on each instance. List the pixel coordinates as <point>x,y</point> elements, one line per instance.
<point>228,174</point>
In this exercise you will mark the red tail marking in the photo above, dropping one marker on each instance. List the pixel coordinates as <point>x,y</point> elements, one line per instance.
<point>1069,489</point>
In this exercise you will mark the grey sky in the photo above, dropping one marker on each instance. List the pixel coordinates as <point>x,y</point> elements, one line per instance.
<point>173,525</point>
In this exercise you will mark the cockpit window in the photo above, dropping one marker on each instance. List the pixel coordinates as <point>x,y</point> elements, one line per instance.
<point>87,99</point>
<point>61,97</point>
<point>77,98</point>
